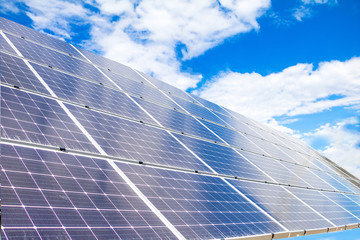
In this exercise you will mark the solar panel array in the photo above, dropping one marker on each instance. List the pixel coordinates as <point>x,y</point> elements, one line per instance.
<point>93,149</point>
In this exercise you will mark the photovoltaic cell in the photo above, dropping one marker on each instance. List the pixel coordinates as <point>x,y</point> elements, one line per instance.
<point>331,210</point>
<point>211,106</point>
<point>58,60</point>
<point>335,181</point>
<point>346,202</point>
<point>282,205</point>
<point>177,120</point>
<point>44,39</point>
<point>32,118</point>
<point>145,143</point>
<point>111,66</point>
<point>198,111</point>
<point>276,169</point>
<point>167,88</point>
<point>337,176</point>
<point>5,46</point>
<point>141,90</point>
<point>15,73</point>
<point>233,138</point>
<point>91,94</point>
<point>223,160</point>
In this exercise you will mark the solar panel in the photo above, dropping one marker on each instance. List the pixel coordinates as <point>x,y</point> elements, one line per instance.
<point>93,149</point>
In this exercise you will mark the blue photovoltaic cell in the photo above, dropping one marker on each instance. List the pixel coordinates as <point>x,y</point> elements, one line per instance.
<point>289,173</point>
<point>266,140</point>
<point>338,177</point>
<point>288,142</point>
<point>262,130</point>
<point>177,120</point>
<point>336,182</point>
<point>35,36</point>
<point>308,176</point>
<point>346,202</point>
<point>167,88</point>
<point>5,46</point>
<point>356,199</point>
<point>270,149</point>
<point>31,118</point>
<point>94,195</point>
<point>233,138</point>
<point>256,131</point>
<point>145,143</point>
<point>91,94</point>
<point>281,205</point>
<point>61,61</point>
<point>112,66</point>
<point>275,169</point>
<point>223,160</point>
<point>15,72</point>
<point>198,111</point>
<point>141,90</point>
<point>200,207</point>
<point>324,206</point>
<point>211,106</point>
<point>297,157</point>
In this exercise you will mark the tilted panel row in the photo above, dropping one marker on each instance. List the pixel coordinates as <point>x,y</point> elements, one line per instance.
<point>35,36</point>
<point>57,60</point>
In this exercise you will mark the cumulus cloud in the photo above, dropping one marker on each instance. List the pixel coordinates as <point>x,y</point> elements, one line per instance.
<point>299,89</point>
<point>56,16</point>
<point>344,143</point>
<point>144,34</point>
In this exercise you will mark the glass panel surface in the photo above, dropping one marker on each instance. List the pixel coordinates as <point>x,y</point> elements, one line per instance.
<point>200,207</point>
<point>64,197</point>
<point>37,37</point>
<point>32,118</point>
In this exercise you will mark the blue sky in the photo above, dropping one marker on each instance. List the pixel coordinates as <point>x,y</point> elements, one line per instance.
<point>292,64</point>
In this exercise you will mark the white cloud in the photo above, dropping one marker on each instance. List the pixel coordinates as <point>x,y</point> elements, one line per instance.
<point>8,7</point>
<point>146,33</point>
<point>299,89</point>
<point>56,15</point>
<point>301,12</point>
<point>306,9</point>
<point>313,2</point>
<point>273,123</point>
<point>158,26</point>
<point>344,144</point>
